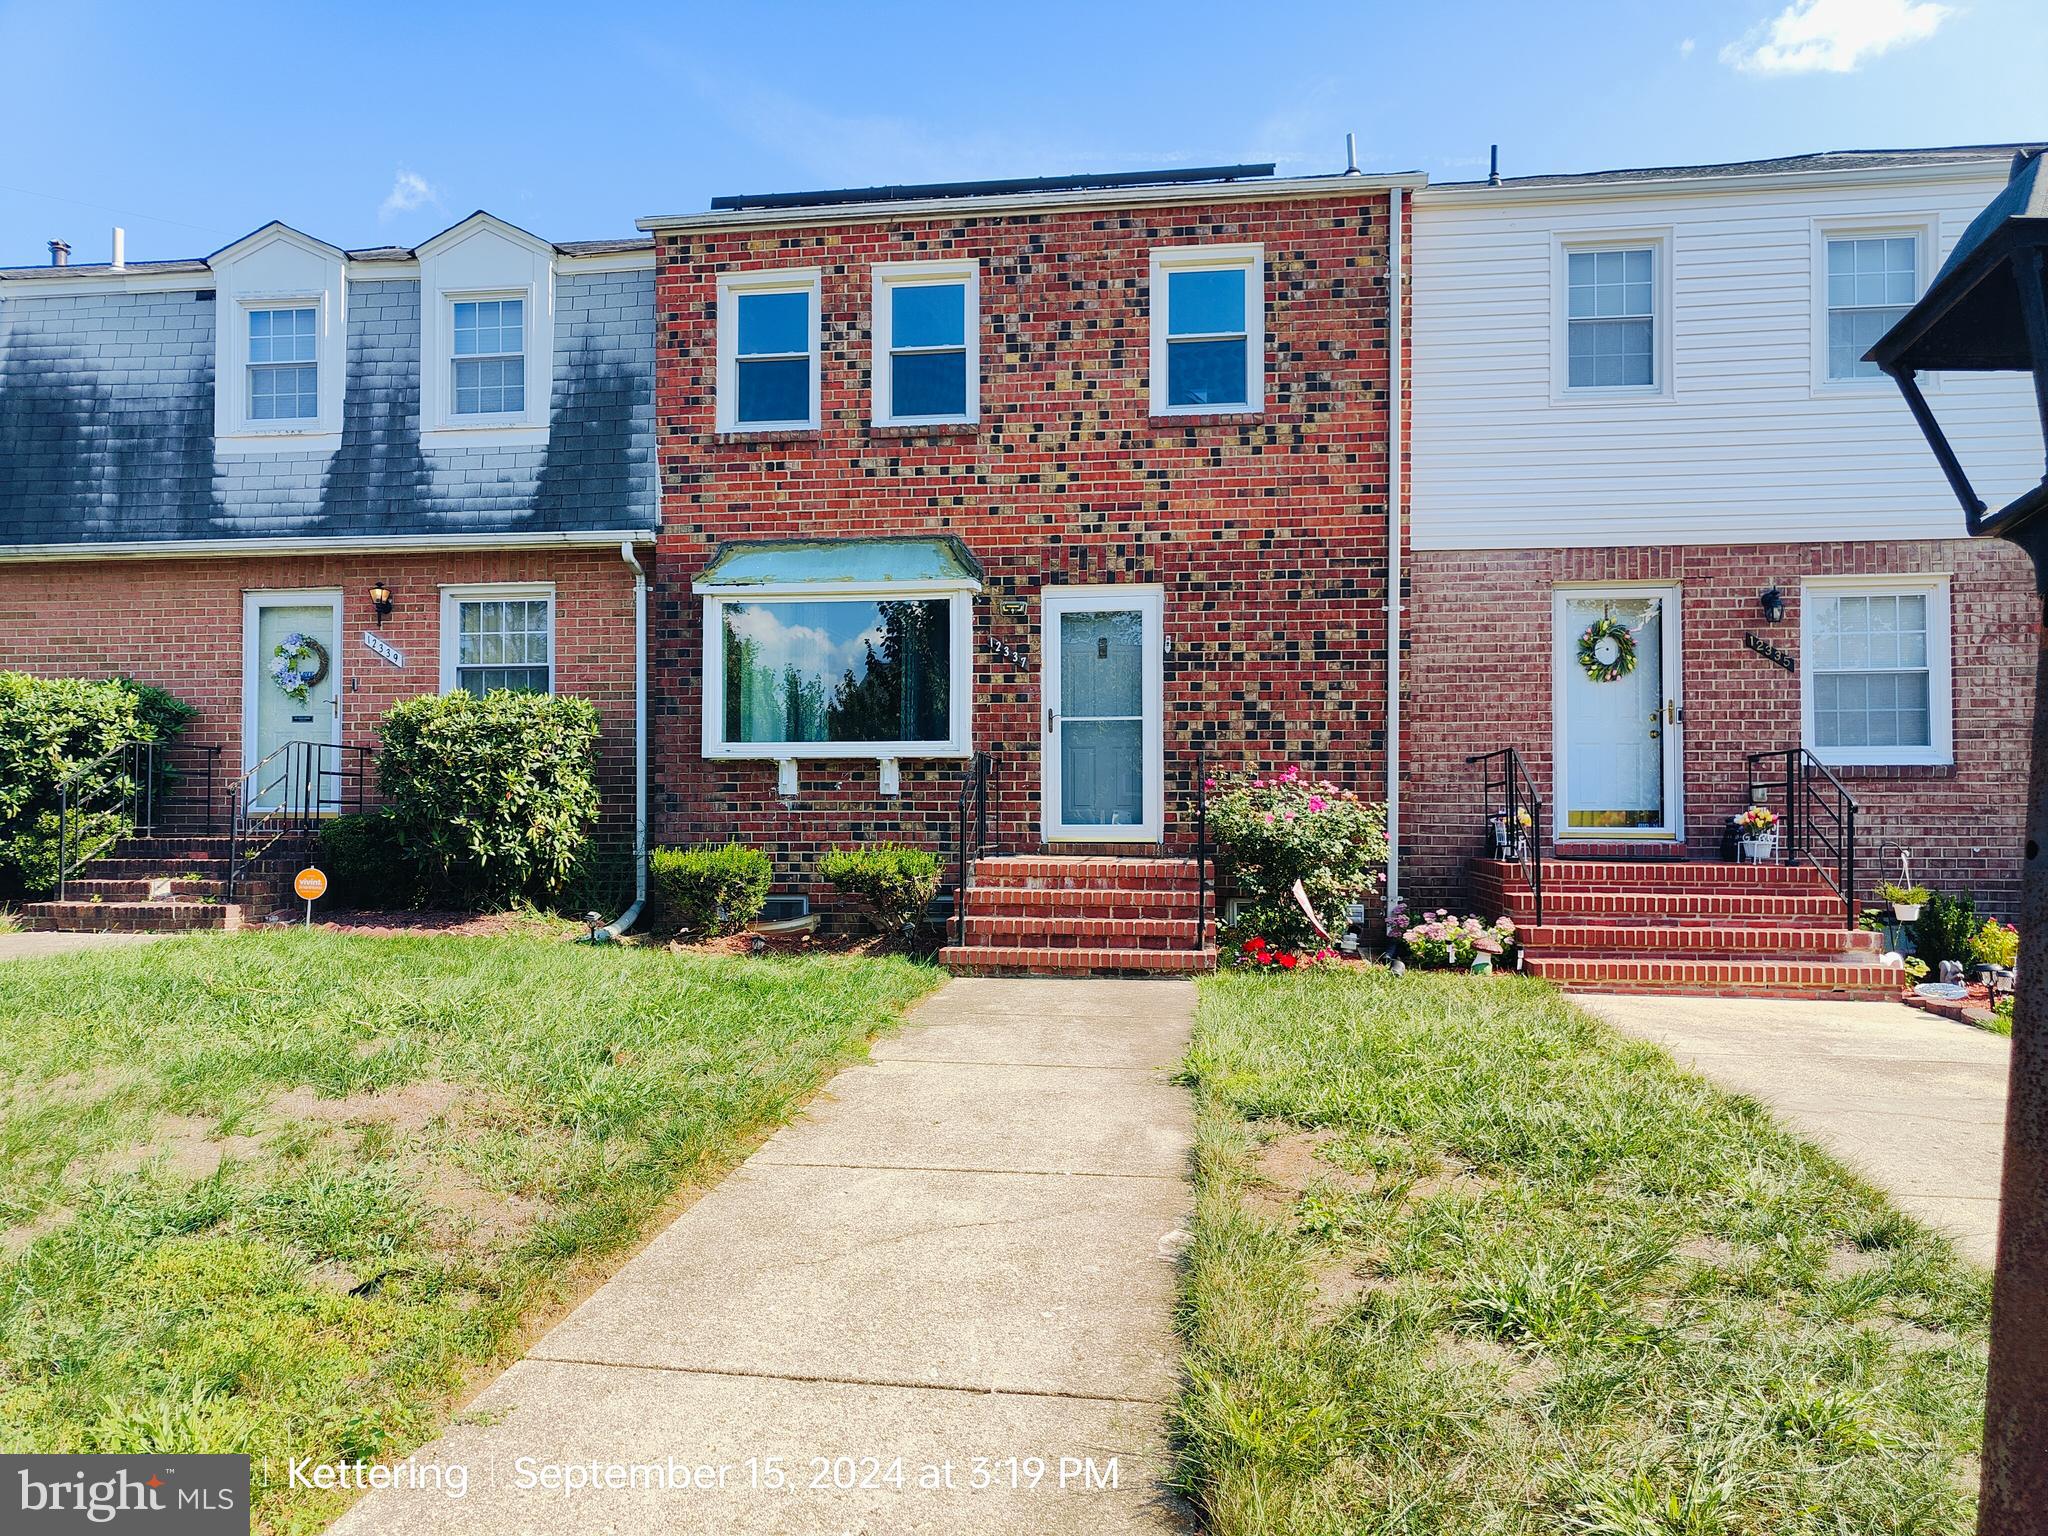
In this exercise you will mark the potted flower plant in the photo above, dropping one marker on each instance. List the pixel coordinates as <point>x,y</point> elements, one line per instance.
<point>1757,829</point>
<point>1904,900</point>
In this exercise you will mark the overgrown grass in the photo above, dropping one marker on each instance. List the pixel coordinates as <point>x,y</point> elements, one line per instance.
<point>1466,1262</point>
<point>283,1192</point>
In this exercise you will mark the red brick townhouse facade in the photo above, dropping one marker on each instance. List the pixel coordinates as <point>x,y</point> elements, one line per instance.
<point>1090,479</point>
<point>433,467</point>
<point>1643,431</point>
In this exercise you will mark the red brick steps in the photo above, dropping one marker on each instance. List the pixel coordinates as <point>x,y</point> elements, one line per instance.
<point>152,884</point>
<point>1081,915</point>
<point>129,916</point>
<point>1641,924</point>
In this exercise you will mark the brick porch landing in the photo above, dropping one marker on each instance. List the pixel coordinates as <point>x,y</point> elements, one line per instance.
<point>1736,930</point>
<point>1050,914</point>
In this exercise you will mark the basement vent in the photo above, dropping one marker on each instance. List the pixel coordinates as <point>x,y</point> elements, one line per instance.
<point>781,909</point>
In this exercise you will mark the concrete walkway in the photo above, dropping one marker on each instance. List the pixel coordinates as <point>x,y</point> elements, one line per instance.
<point>1914,1103</point>
<point>29,946</point>
<point>939,1302</point>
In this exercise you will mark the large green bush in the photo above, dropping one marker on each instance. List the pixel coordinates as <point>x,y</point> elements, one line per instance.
<point>897,882</point>
<point>709,890</point>
<point>1946,925</point>
<point>492,798</point>
<point>364,862</point>
<point>50,727</point>
<point>1271,830</point>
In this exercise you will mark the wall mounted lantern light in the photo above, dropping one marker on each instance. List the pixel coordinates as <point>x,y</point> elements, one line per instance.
<point>1773,604</point>
<point>380,600</point>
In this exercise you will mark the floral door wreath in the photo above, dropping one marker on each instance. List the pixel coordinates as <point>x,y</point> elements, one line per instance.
<point>298,666</point>
<point>1607,651</point>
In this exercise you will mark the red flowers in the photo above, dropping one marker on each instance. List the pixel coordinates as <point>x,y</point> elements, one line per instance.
<point>1256,951</point>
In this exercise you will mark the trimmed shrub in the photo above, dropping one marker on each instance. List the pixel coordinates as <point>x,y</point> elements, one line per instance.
<point>365,863</point>
<point>492,798</point>
<point>51,726</point>
<point>709,890</point>
<point>1995,943</point>
<point>897,882</point>
<point>1945,928</point>
<point>1275,829</point>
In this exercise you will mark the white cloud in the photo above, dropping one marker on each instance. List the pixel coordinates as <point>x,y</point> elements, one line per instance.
<point>1685,48</point>
<point>409,190</point>
<point>1835,36</point>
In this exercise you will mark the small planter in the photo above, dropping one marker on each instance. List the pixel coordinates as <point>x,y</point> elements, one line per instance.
<point>1906,911</point>
<point>1760,849</point>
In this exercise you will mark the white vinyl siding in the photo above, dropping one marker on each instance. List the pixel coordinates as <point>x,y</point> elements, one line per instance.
<point>1751,445</point>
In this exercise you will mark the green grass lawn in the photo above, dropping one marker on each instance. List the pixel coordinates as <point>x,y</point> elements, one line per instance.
<point>1468,1263</point>
<point>286,1192</point>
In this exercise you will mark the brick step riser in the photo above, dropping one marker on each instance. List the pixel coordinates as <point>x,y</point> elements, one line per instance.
<point>159,888</point>
<point>1161,935</point>
<point>1083,884</point>
<point>1648,970</point>
<point>1607,877</point>
<point>1763,943</point>
<point>128,917</point>
<point>1692,908</point>
<point>1015,960</point>
<point>1742,989</point>
<point>1082,906</point>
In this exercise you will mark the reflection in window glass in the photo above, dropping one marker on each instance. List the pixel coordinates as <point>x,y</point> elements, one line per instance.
<point>772,356</point>
<point>502,643</point>
<point>1871,684</point>
<point>1610,305</point>
<point>1207,345</point>
<point>1871,283</point>
<point>850,670</point>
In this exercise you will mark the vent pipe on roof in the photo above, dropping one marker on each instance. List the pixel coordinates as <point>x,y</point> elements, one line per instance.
<point>60,253</point>
<point>1493,175</point>
<point>120,256</point>
<point>1351,155</point>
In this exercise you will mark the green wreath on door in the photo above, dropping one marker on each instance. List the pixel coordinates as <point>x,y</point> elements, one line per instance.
<point>1607,651</point>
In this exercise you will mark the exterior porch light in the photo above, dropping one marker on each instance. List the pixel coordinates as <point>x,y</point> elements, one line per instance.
<point>1772,601</point>
<point>380,601</point>
<point>1987,312</point>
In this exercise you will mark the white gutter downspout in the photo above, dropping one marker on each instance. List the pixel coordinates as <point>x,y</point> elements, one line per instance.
<point>1395,372</point>
<point>631,915</point>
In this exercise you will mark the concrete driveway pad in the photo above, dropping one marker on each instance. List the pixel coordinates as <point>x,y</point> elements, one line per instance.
<point>1914,1103</point>
<point>939,1302</point>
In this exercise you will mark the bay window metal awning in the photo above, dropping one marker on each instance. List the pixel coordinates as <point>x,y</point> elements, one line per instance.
<point>936,564</point>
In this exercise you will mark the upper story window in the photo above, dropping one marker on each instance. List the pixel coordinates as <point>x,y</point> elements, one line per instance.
<point>1876,689</point>
<point>768,351</point>
<point>498,637</point>
<point>284,364</point>
<point>927,365</point>
<point>490,356</point>
<point>1208,330</point>
<point>1611,318</point>
<point>1872,281</point>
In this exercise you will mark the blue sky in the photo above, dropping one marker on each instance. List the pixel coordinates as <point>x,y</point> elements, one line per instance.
<point>373,123</point>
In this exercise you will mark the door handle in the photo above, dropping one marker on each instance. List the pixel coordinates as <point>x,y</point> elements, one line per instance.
<point>1051,715</point>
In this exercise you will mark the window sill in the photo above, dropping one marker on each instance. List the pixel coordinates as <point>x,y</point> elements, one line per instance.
<point>233,444</point>
<point>899,429</point>
<point>1237,418</point>
<point>919,752</point>
<point>768,436</point>
<point>485,435</point>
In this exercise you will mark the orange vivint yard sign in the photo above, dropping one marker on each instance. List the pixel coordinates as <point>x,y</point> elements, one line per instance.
<point>309,884</point>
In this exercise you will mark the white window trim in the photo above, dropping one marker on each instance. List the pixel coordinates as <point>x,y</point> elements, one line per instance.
<point>518,591</point>
<point>1925,233</point>
<point>889,275</point>
<point>484,258</point>
<point>775,280</point>
<point>1252,260</point>
<point>1940,753</point>
<point>438,369</point>
<point>960,658</point>
<point>1564,246</point>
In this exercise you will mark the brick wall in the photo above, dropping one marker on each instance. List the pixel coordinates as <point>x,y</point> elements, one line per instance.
<point>178,624</point>
<point>1478,676</point>
<point>1267,532</point>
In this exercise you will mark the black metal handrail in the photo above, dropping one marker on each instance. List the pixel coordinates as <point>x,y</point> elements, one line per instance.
<point>1819,817</point>
<point>87,787</point>
<point>1507,837</point>
<point>974,807</point>
<point>289,790</point>
<point>1202,889</point>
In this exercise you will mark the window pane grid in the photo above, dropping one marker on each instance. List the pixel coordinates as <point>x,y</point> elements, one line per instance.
<point>287,393</point>
<point>502,643</point>
<point>490,357</point>
<point>1208,341</point>
<point>1871,686</point>
<point>1610,309</point>
<point>284,374</point>
<point>1871,282</point>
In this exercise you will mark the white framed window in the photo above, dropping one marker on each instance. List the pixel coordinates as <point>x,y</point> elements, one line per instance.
<point>839,649</point>
<point>768,351</point>
<point>489,356</point>
<point>1866,275</point>
<point>498,637</point>
<point>1876,689</point>
<point>1208,330</point>
<point>284,363</point>
<point>927,325</point>
<point>1612,316</point>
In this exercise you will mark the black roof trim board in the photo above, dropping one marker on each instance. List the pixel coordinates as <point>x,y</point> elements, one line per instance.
<point>916,192</point>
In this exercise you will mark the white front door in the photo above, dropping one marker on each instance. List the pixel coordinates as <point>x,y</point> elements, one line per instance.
<point>301,627</point>
<point>1620,773</point>
<point>1105,682</point>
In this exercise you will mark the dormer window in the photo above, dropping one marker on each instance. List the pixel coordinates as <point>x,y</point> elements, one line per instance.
<point>284,364</point>
<point>490,357</point>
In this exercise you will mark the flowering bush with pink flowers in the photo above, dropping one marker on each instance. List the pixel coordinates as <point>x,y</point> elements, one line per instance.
<point>1274,829</point>
<point>1439,939</point>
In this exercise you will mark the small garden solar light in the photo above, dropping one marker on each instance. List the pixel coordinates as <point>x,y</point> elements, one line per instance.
<point>1987,312</point>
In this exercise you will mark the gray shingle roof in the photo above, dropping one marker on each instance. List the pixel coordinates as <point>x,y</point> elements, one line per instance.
<point>1784,165</point>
